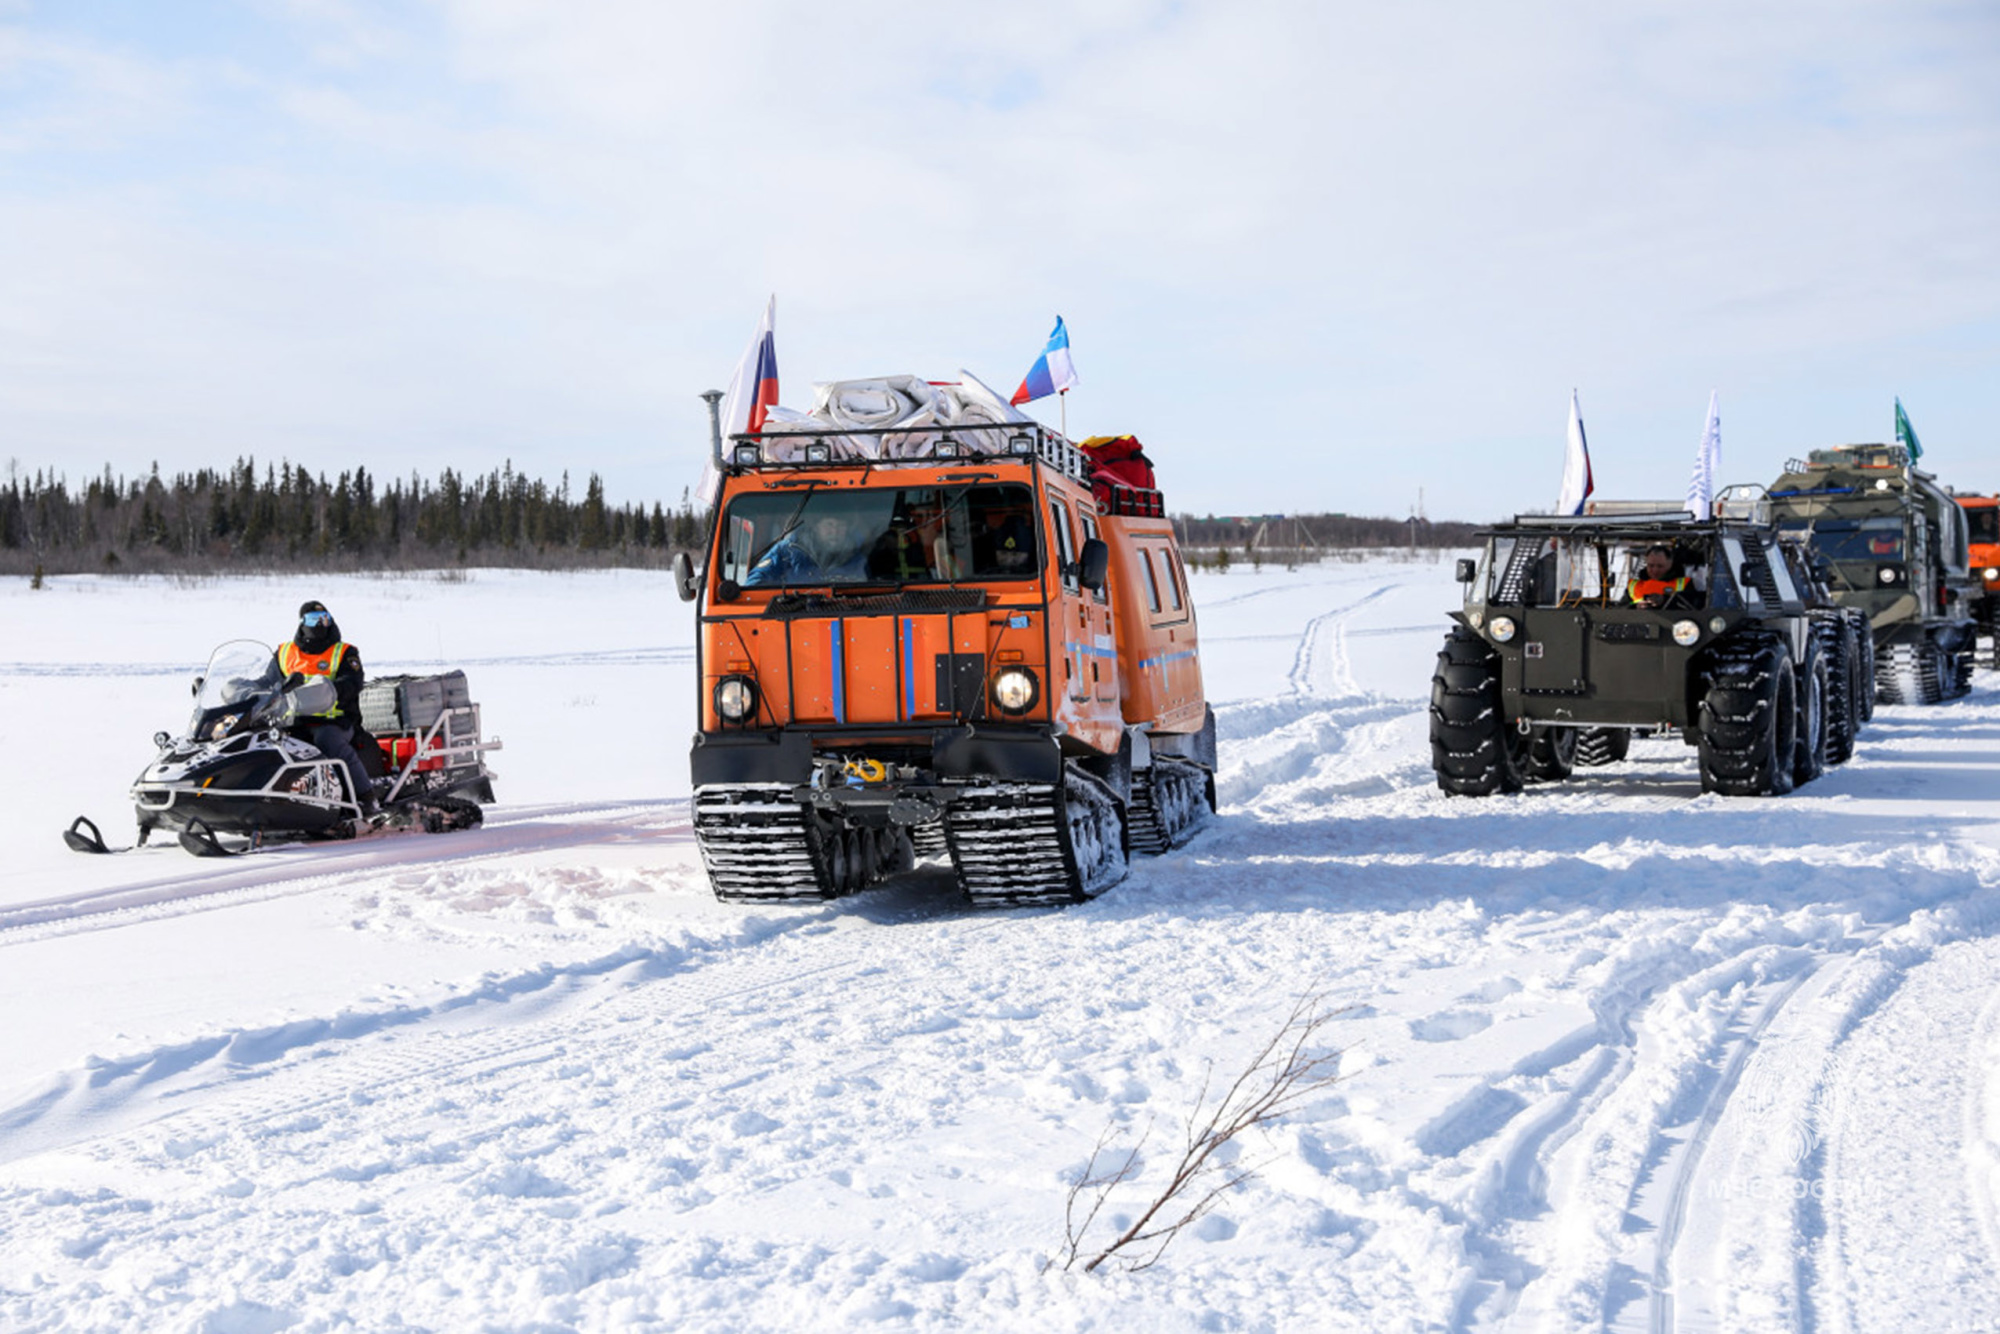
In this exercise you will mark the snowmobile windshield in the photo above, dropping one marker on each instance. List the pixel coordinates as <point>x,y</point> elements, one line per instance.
<point>239,671</point>
<point>887,535</point>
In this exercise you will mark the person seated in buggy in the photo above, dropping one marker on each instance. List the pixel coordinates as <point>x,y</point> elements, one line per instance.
<point>1660,580</point>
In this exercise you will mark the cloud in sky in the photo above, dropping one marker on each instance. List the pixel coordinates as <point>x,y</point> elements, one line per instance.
<point>1319,256</point>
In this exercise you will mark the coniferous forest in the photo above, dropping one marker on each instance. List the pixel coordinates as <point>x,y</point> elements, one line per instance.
<point>285,517</point>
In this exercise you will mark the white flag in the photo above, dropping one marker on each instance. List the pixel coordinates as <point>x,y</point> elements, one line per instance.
<point>1707,463</point>
<point>1577,482</point>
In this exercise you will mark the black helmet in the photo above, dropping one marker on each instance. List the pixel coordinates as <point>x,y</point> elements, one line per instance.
<point>317,630</point>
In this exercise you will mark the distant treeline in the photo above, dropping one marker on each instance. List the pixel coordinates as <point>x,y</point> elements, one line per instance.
<point>237,520</point>
<point>287,518</point>
<point>1245,537</point>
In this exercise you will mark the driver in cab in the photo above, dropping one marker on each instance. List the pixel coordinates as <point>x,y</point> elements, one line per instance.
<point>1659,580</point>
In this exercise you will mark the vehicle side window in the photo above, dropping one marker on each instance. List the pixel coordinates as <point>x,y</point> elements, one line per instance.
<point>1103,593</point>
<point>1065,548</point>
<point>1174,577</point>
<point>1152,580</point>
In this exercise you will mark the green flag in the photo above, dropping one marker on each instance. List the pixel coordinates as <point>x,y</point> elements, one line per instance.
<point>1905,436</point>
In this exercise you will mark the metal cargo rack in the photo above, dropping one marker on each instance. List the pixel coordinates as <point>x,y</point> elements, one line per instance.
<point>999,442</point>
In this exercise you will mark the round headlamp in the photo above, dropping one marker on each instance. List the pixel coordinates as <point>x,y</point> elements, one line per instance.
<point>1015,690</point>
<point>1992,574</point>
<point>1716,625</point>
<point>1502,629</point>
<point>1477,618</point>
<point>1887,574</point>
<point>735,698</point>
<point>1685,633</point>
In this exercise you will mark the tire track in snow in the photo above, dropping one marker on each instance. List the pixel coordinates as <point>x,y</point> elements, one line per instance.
<point>223,1082</point>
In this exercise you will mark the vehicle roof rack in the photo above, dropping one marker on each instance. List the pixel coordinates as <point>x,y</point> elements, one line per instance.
<point>796,448</point>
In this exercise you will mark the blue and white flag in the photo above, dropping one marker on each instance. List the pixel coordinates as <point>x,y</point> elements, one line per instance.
<point>1052,373</point>
<point>1577,481</point>
<point>1707,463</point>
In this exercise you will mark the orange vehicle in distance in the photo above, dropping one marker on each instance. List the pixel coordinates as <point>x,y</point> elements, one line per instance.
<point>964,653</point>
<point>1982,523</point>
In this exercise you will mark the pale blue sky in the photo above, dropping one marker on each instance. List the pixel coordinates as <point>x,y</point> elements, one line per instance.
<point>1317,255</point>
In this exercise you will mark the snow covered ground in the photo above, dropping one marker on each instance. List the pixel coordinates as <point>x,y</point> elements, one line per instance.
<point>1615,1054</point>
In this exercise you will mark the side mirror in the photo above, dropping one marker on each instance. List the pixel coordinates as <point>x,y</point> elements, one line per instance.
<point>684,581</point>
<point>195,689</point>
<point>1093,563</point>
<point>1468,570</point>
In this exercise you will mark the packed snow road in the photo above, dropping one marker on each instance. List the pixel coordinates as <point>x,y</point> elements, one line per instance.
<point>1615,1054</point>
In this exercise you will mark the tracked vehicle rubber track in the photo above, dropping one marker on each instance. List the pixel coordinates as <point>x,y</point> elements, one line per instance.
<point>1022,844</point>
<point>754,842</point>
<point>1169,800</point>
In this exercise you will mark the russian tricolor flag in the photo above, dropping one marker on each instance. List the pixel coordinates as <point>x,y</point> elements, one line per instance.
<point>1052,373</point>
<point>753,390</point>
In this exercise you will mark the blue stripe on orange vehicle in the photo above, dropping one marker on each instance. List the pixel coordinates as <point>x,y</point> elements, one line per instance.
<point>837,629</point>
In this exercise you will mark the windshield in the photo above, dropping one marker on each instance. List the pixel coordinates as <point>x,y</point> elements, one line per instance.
<point>1982,523</point>
<point>891,535</point>
<point>239,670</point>
<point>1567,571</point>
<point>1878,539</point>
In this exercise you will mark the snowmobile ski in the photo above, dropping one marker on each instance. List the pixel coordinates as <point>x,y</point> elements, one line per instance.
<point>199,839</point>
<point>83,835</point>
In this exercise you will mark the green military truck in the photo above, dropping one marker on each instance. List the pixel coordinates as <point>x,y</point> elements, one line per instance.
<point>1894,545</point>
<point>1568,636</point>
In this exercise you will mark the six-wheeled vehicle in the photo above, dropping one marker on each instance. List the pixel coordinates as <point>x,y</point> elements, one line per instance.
<point>1581,631</point>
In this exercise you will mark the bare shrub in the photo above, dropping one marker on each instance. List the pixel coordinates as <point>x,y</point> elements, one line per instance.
<point>1283,1074</point>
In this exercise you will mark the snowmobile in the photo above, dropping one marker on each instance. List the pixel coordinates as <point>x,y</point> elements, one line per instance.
<point>239,772</point>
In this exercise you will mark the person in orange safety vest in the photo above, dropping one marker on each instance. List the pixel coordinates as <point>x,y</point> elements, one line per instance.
<point>317,650</point>
<point>1659,581</point>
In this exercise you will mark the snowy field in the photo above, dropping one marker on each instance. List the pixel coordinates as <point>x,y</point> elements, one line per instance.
<point>1615,1054</point>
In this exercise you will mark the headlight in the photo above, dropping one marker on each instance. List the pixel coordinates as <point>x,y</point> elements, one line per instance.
<point>1502,629</point>
<point>1685,633</point>
<point>735,698</point>
<point>1014,690</point>
<point>1992,574</point>
<point>1887,574</point>
<point>1477,618</point>
<point>1716,625</point>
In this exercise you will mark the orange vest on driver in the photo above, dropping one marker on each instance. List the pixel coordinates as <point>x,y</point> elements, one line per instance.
<point>292,658</point>
<point>1641,589</point>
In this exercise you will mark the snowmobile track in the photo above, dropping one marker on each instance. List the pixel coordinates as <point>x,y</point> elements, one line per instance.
<point>301,868</point>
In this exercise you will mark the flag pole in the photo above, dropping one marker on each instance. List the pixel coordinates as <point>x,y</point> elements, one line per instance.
<point>1062,401</point>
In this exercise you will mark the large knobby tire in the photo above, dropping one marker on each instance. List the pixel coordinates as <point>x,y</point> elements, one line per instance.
<point>1843,710</point>
<point>1602,745</point>
<point>1749,718</point>
<point>1473,750</point>
<point>1864,664</point>
<point>1809,737</point>
<point>1551,753</point>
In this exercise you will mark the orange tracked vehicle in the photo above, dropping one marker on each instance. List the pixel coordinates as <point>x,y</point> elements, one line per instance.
<point>1982,525</point>
<point>941,643</point>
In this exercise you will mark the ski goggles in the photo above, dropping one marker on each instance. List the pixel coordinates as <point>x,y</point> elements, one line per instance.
<point>313,620</point>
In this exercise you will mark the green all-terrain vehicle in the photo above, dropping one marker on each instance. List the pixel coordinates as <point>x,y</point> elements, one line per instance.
<point>1895,547</point>
<point>1578,632</point>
